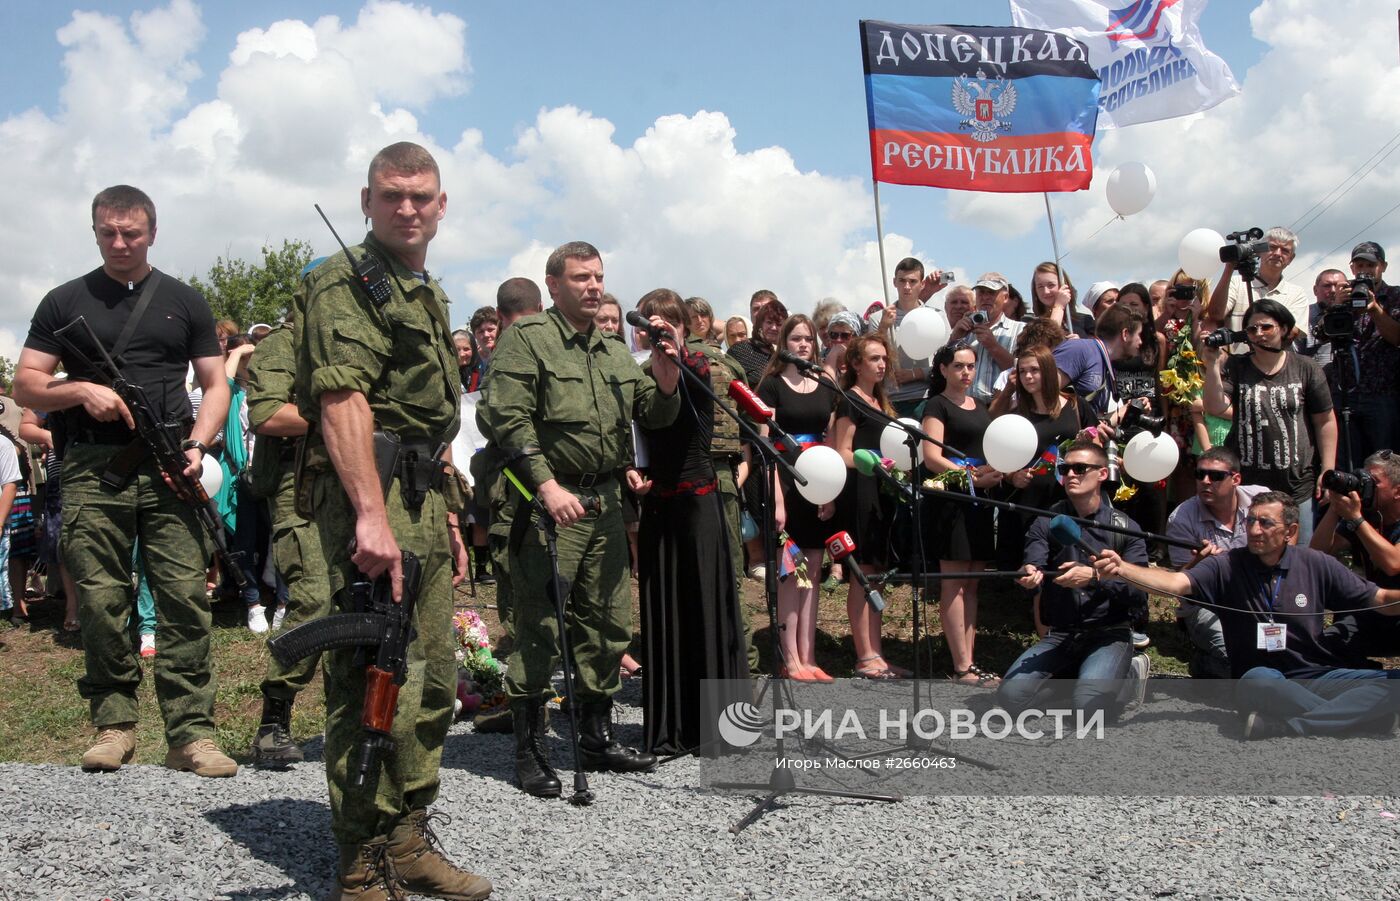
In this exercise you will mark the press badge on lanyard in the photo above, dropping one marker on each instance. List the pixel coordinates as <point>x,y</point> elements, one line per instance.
<point>1272,636</point>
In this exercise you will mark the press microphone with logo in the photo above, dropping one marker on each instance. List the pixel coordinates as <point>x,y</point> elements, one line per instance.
<point>802,363</point>
<point>1066,532</point>
<point>868,464</point>
<point>839,547</point>
<point>752,405</point>
<point>643,324</point>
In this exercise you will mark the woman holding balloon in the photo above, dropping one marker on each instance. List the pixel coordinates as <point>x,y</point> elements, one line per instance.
<point>958,534</point>
<point>863,509</point>
<point>803,409</point>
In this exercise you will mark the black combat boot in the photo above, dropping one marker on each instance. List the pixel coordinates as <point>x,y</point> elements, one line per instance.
<point>532,771</point>
<point>273,745</point>
<point>599,749</point>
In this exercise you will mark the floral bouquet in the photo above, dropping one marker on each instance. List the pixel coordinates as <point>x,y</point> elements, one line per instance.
<point>481,684</point>
<point>1184,376</point>
<point>950,480</point>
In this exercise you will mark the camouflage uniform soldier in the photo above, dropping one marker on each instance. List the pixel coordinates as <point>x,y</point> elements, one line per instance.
<point>363,366</point>
<point>112,498</point>
<point>296,544</point>
<point>564,395</point>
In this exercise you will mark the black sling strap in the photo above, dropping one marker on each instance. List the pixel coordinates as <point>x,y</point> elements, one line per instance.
<point>148,291</point>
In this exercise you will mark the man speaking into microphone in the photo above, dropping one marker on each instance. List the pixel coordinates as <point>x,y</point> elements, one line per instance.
<point>563,395</point>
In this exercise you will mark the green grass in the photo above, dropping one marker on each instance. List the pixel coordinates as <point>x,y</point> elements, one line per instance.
<point>42,719</point>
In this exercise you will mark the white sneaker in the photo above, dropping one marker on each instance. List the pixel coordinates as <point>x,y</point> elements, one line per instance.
<point>758,572</point>
<point>257,618</point>
<point>148,646</point>
<point>278,615</point>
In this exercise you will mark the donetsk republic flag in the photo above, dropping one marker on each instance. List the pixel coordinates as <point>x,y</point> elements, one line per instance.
<point>979,109</point>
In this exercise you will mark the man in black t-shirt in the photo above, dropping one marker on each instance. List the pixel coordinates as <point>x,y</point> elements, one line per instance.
<point>1280,404</point>
<point>1270,596</point>
<point>113,491</point>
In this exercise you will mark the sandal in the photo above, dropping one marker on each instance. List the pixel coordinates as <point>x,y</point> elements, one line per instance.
<point>864,669</point>
<point>980,677</point>
<point>72,625</point>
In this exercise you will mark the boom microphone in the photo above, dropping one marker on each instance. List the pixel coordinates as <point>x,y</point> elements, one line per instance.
<point>802,363</point>
<point>839,547</point>
<point>643,324</point>
<point>1066,531</point>
<point>752,405</point>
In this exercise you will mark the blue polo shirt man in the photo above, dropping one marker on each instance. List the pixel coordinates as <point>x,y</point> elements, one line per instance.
<point>1270,596</point>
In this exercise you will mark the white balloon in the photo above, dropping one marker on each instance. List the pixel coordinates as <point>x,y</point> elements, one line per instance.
<point>892,444</point>
<point>1199,253</point>
<point>1010,443</point>
<point>921,333</point>
<point>1130,188</point>
<point>825,472</point>
<point>1148,459</point>
<point>211,476</point>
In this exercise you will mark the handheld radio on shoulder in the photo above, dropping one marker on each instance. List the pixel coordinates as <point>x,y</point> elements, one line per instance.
<point>368,270</point>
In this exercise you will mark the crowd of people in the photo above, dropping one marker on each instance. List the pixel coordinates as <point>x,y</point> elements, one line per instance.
<point>628,459</point>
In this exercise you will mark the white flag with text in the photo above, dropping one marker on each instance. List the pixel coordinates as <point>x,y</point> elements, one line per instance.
<point>1151,59</point>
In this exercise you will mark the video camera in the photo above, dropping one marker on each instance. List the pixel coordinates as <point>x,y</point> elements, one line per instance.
<point>1338,323</point>
<point>1243,253</point>
<point>1359,481</point>
<point>1223,336</point>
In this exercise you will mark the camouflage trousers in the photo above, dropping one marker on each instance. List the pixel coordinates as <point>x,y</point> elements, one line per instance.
<point>296,549</point>
<point>99,525</point>
<point>407,777</point>
<point>593,558</point>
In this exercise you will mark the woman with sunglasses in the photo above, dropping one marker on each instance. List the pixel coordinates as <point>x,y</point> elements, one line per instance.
<point>863,509</point>
<point>956,533</point>
<point>841,330</point>
<point>802,408</point>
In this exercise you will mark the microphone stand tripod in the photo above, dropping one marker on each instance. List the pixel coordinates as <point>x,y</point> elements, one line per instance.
<point>912,437</point>
<point>780,780</point>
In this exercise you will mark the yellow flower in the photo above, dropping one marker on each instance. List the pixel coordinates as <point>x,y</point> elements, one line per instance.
<point>1124,493</point>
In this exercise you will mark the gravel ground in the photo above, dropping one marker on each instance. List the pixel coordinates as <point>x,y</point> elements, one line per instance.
<point>145,832</point>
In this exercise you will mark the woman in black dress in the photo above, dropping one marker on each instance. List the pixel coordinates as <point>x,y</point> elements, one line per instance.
<point>1139,379</point>
<point>691,625</point>
<point>802,408</point>
<point>957,533</point>
<point>863,510</point>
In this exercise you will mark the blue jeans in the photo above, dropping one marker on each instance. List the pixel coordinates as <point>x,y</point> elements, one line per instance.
<point>145,601</point>
<point>6,600</point>
<point>1333,703</point>
<point>1099,658</point>
<point>1208,657</point>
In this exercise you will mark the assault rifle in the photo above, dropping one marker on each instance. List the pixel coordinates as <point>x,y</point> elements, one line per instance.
<point>382,631</point>
<point>162,438</point>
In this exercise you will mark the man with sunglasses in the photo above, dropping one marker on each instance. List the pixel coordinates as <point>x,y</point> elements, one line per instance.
<point>1271,596</point>
<point>1215,515</point>
<point>1373,534</point>
<point>1089,633</point>
<point>1280,405</point>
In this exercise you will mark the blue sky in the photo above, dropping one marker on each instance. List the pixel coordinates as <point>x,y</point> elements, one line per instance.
<point>782,75</point>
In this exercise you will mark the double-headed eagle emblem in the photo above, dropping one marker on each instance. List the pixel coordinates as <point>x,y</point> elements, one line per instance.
<point>986,103</point>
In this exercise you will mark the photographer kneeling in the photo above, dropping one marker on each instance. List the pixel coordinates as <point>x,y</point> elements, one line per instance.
<point>1270,596</point>
<point>1364,513</point>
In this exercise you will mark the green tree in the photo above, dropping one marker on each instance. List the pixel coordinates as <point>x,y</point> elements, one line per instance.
<point>7,373</point>
<point>249,292</point>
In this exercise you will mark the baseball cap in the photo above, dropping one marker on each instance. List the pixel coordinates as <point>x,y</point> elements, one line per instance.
<point>1369,251</point>
<point>991,281</point>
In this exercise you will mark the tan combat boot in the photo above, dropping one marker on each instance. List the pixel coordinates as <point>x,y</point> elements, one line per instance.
<point>201,757</point>
<point>366,873</point>
<point>116,745</point>
<point>420,866</point>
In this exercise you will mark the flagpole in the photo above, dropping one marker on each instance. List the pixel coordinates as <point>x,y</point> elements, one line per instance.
<point>880,240</point>
<point>1054,242</point>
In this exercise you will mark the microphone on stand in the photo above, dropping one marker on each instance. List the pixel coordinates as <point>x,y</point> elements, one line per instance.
<point>839,547</point>
<point>868,463</point>
<point>802,363</point>
<point>752,405</point>
<point>643,324</point>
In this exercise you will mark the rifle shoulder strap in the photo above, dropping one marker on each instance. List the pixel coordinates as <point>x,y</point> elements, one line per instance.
<point>148,291</point>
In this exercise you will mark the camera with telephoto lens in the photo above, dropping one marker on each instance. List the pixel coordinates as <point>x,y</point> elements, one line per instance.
<point>1244,253</point>
<point>1359,481</point>
<point>979,317</point>
<point>1223,336</point>
<point>1137,418</point>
